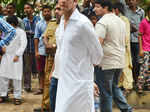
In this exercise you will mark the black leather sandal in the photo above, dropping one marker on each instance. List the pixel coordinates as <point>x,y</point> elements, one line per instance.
<point>3,99</point>
<point>17,101</point>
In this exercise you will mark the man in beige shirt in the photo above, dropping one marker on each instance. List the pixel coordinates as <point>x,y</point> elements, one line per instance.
<point>111,31</point>
<point>126,79</point>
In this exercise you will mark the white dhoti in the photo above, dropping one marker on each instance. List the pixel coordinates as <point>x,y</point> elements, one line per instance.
<point>4,83</point>
<point>10,69</point>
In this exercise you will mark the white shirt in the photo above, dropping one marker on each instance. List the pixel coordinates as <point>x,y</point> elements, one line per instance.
<point>113,30</point>
<point>8,68</point>
<point>79,49</point>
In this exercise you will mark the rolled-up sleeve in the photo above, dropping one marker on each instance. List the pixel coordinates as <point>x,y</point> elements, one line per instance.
<point>9,32</point>
<point>37,34</point>
<point>100,30</point>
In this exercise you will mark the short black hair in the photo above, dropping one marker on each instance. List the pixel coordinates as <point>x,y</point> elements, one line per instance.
<point>98,2</point>
<point>92,14</point>
<point>120,7</point>
<point>29,5</point>
<point>46,7</point>
<point>12,20</point>
<point>105,3</point>
<point>56,1</point>
<point>13,5</point>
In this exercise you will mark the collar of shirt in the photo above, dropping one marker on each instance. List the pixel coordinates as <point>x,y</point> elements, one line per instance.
<point>42,21</point>
<point>120,14</point>
<point>73,16</point>
<point>34,19</point>
<point>28,25</point>
<point>1,16</point>
<point>137,10</point>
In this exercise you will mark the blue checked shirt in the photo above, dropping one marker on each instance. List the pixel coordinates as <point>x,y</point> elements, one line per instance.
<point>39,30</point>
<point>9,32</point>
<point>30,30</point>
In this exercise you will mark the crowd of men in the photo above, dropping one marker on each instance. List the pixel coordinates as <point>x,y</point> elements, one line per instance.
<point>109,40</point>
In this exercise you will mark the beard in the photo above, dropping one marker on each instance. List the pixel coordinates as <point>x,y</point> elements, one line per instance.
<point>47,18</point>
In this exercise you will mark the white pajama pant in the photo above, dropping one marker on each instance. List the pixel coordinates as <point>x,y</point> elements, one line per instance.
<point>4,83</point>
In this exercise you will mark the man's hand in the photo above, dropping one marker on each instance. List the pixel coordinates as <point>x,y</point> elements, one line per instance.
<point>0,57</point>
<point>96,90</point>
<point>16,58</point>
<point>51,48</point>
<point>50,76</point>
<point>3,50</point>
<point>37,55</point>
<point>133,28</point>
<point>141,53</point>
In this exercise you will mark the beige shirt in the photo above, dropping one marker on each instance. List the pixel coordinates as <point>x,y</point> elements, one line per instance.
<point>113,30</point>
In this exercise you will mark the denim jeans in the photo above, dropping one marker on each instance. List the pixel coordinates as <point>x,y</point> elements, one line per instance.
<point>53,92</point>
<point>135,60</point>
<point>107,81</point>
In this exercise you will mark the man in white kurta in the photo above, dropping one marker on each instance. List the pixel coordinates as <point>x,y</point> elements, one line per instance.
<point>79,50</point>
<point>12,68</point>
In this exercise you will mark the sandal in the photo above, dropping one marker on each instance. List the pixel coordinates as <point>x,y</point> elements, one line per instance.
<point>126,92</point>
<point>17,101</point>
<point>3,99</point>
<point>148,88</point>
<point>38,92</point>
<point>140,90</point>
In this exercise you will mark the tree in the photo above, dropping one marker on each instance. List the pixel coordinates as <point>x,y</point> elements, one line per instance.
<point>19,5</point>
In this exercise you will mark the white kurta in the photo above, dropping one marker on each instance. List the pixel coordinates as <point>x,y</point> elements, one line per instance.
<point>8,68</point>
<point>78,49</point>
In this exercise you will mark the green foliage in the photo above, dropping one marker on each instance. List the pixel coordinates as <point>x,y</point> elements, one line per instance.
<point>5,1</point>
<point>19,5</point>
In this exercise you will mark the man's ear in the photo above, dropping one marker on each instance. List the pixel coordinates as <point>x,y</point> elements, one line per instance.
<point>75,2</point>
<point>117,10</point>
<point>106,7</point>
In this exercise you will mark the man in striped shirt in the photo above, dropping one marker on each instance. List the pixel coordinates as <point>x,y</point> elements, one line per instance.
<point>9,32</point>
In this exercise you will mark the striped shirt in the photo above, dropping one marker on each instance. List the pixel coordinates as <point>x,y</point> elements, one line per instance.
<point>135,18</point>
<point>30,30</point>
<point>9,32</point>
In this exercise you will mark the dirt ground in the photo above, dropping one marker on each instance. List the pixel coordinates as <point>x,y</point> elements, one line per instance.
<point>31,101</point>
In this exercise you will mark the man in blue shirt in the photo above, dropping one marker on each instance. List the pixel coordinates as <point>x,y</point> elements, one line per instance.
<point>41,54</point>
<point>29,56</point>
<point>39,44</point>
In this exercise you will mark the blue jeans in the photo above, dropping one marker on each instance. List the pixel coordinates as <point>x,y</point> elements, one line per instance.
<point>135,60</point>
<point>53,92</point>
<point>107,81</point>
